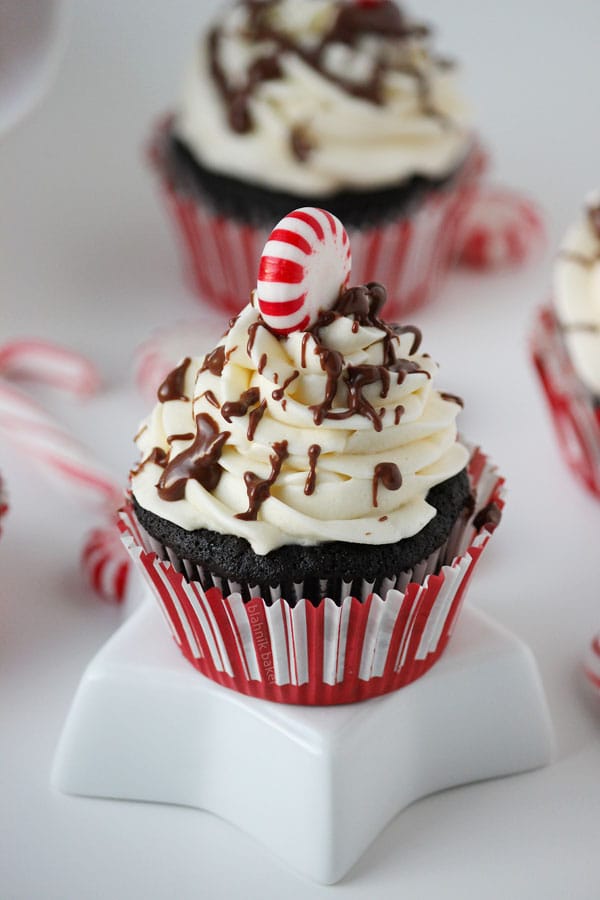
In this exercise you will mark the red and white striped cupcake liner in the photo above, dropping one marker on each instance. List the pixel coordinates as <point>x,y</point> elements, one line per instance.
<point>410,255</point>
<point>336,652</point>
<point>576,417</point>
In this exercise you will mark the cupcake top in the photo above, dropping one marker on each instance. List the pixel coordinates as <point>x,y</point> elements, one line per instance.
<point>328,428</point>
<point>316,96</point>
<point>577,293</point>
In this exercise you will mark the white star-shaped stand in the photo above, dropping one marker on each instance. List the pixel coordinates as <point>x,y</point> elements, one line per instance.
<point>315,784</point>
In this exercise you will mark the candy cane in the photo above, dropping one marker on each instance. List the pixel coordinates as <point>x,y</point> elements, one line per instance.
<point>106,563</point>
<point>303,267</point>
<point>40,361</point>
<point>500,228</point>
<point>26,425</point>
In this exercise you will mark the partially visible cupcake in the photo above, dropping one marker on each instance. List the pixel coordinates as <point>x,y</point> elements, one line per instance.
<point>326,103</point>
<point>566,346</point>
<point>3,503</point>
<point>302,506</point>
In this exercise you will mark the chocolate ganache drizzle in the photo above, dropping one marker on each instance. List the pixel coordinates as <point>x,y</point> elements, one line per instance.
<point>350,23</point>
<point>334,433</point>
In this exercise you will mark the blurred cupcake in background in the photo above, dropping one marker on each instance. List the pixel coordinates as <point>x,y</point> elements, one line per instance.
<point>322,103</point>
<point>566,346</point>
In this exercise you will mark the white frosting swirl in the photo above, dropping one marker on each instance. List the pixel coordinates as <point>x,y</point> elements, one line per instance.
<point>355,143</point>
<point>422,445</point>
<point>577,294</point>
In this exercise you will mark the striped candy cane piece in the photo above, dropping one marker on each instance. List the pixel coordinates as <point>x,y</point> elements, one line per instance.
<point>25,424</point>
<point>47,363</point>
<point>304,266</point>
<point>591,663</point>
<point>106,563</point>
<point>500,228</point>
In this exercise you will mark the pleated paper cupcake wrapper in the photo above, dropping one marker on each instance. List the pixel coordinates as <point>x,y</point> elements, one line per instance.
<point>575,415</point>
<point>337,652</point>
<point>409,255</point>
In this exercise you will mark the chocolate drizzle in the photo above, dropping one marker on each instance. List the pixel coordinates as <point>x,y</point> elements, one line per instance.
<point>346,385</point>
<point>258,489</point>
<point>240,407</point>
<point>211,398</point>
<point>409,329</point>
<point>363,304</point>
<point>172,386</point>
<point>158,456</point>
<point>187,436</point>
<point>353,21</point>
<point>389,475</point>
<point>314,451</point>
<point>452,398</point>
<point>215,361</point>
<point>254,418</point>
<point>200,461</point>
<point>279,392</point>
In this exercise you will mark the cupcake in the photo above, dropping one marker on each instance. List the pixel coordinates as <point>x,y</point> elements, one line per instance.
<point>302,507</point>
<point>566,347</point>
<point>3,503</point>
<point>325,103</point>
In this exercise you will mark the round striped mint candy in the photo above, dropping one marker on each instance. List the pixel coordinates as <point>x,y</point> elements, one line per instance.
<point>304,266</point>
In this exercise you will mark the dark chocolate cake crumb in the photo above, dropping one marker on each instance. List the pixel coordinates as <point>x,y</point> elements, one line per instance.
<point>232,557</point>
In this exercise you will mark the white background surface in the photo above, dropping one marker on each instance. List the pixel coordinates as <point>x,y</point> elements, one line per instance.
<point>87,258</point>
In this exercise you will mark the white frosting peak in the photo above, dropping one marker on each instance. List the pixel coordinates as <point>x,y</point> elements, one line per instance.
<point>577,294</point>
<point>403,425</point>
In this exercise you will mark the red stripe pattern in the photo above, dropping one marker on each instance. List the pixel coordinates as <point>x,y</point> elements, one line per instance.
<point>411,255</point>
<point>106,563</point>
<point>303,267</point>
<point>572,408</point>
<point>500,228</point>
<point>329,654</point>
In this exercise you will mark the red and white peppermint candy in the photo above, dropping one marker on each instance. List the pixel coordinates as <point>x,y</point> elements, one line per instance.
<point>500,228</point>
<point>303,267</point>
<point>32,359</point>
<point>106,563</point>
<point>591,663</point>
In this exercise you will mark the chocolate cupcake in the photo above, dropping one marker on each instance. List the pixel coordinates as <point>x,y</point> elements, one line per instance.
<point>319,102</point>
<point>302,504</point>
<point>566,347</point>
